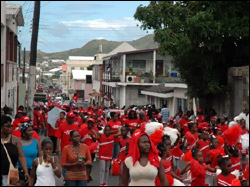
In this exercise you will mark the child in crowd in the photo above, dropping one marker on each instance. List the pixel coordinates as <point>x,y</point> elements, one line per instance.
<point>225,178</point>
<point>203,143</point>
<point>106,142</point>
<point>191,136</point>
<point>212,159</point>
<point>197,168</point>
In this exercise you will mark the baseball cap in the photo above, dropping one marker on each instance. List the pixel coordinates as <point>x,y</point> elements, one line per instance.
<point>70,115</point>
<point>24,119</point>
<point>91,119</point>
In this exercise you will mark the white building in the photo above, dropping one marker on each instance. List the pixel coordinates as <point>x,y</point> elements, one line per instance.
<point>11,18</point>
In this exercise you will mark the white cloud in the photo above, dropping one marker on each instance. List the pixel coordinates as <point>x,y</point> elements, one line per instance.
<point>99,38</point>
<point>102,24</point>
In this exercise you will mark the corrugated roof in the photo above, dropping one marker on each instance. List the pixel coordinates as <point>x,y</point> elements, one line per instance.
<point>159,89</point>
<point>122,48</point>
<point>12,8</point>
<point>81,74</point>
<point>81,58</point>
<point>16,11</point>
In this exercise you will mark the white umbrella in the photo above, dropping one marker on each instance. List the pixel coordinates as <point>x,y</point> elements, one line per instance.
<point>53,115</point>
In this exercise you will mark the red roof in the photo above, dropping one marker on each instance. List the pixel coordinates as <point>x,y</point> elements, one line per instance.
<point>64,67</point>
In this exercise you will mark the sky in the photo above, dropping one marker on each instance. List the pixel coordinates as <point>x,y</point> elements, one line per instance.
<point>66,25</point>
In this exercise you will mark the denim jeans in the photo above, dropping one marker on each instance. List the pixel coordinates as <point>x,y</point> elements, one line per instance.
<point>116,149</point>
<point>76,183</point>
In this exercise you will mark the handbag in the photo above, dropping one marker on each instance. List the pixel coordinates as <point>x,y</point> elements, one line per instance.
<point>13,175</point>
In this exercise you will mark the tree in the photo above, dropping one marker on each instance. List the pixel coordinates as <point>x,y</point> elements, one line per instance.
<point>205,38</point>
<point>90,67</point>
<point>57,75</point>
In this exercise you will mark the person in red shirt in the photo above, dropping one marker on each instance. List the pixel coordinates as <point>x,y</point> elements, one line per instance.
<point>124,144</point>
<point>63,132</point>
<point>191,136</point>
<point>222,125</point>
<point>89,138</point>
<point>197,168</point>
<point>225,178</point>
<point>132,121</point>
<point>106,142</point>
<point>36,120</point>
<point>78,119</point>
<point>184,123</point>
<point>17,121</point>
<point>115,125</point>
<point>75,97</point>
<point>200,117</point>
<point>17,132</point>
<point>203,143</point>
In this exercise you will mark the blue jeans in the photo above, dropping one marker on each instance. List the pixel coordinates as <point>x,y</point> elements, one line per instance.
<point>116,149</point>
<point>64,172</point>
<point>76,183</point>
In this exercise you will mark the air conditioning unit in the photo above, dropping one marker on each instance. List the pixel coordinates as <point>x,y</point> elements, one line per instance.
<point>130,78</point>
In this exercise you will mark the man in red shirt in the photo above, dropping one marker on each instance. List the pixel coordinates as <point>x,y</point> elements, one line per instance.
<point>17,121</point>
<point>63,132</point>
<point>75,97</point>
<point>78,119</point>
<point>184,123</point>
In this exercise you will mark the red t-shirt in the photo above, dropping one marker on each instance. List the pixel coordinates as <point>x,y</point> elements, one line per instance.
<point>17,133</point>
<point>235,163</point>
<point>36,119</point>
<point>16,124</point>
<point>184,124</point>
<point>198,173</point>
<point>133,123</point>
<point>85,133</point>
<point>63,133</point>
<point>106,147</point>
<point>204,148</point>
<point>51,130</point>
<point>223,127</point>
<point>123,144</point>
<point>191,139</point>
<point>78,121</point>
<point>177,152</point>
<point>115,126</point>
<point>225,181</point>
<point>200,118</point>
<point>75,98</point>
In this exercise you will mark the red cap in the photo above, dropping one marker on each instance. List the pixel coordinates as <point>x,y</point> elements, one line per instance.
<point>91,119</point>
<point>70,115</point>
<point>24,119</point>
<point>213,118</point>
<point>19,111</point>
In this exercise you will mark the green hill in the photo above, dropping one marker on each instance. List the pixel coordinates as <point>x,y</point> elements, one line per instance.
<point>92,47</point>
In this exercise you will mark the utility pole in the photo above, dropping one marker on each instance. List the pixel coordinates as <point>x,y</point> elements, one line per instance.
<point>33,53</point>
<point>24,66</point>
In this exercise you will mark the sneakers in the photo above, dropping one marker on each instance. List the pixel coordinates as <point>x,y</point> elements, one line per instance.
<point>103,184</point>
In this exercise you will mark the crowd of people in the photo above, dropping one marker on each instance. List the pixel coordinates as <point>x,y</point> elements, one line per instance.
<point>213,149</point>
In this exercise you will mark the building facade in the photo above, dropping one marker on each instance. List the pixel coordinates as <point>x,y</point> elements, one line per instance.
<point>11,18</point>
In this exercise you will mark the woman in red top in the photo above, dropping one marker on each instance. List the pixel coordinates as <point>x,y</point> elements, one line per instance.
<point>132,121</point>
<point>106,142</point>
<point>225,178</point>
<point>223,126</point>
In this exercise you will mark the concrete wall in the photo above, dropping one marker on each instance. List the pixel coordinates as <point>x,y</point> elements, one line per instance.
<point>236,100</point>
<point>132,96</point>
<point>3,49</point>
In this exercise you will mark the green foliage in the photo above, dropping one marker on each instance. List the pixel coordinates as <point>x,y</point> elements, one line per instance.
<point>204,37</point>
<point>57,75</point>
<point>90,67</point>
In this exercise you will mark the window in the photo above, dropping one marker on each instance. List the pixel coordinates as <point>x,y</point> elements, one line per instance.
<point>81,68</point>
<point>88,79</point>
<point>140,94</point>
<point>139,65</point>
<point>72,68</point>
